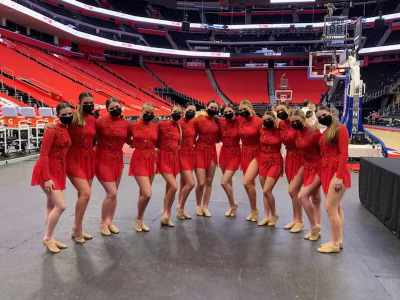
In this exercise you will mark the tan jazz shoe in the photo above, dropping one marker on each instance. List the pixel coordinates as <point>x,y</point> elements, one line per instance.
<point>234,210</point>
<point>85,235</point>
<point>290,225</point>
<point>328,243</point>
<point>51,246</point>
<point>78,237</point>
<point>272,221</point>
<point>228,213</point>
<point>113,229</point>
<point>170,223</point>
<point>206,212</point>
<point>180,214</point>
<point>187,216</point>
<point>199,211</point>
<point>264,222</point>
<point>315,234</point>
<point>328,249</point>
<point>145,228</point>
<point>253,216</point>
<point>105,230</point>
<point>307,236</point>
<point>61,245</point>
<point>138,225</point>
<point>164,221</point>
<point>297,227</point>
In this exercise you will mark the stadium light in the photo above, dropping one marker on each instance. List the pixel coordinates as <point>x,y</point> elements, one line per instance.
<point>290,1</point>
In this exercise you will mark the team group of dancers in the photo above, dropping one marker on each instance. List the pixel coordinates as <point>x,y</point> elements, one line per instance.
<point>186,144</point>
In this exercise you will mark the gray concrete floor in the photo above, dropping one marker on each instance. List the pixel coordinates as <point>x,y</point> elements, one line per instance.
<point>215,258</point>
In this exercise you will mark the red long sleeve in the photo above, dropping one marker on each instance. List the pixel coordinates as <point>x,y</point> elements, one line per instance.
<point>343,151</point>
<point>47,143</point>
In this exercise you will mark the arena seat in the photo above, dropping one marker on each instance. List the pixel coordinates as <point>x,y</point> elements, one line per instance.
<point>301,86</point>
<point>9,111</point>
<point>192,83</point>
<point>136,75</point>
<point>46,112</point>
<point>28,112</point>
<point>243,85</point>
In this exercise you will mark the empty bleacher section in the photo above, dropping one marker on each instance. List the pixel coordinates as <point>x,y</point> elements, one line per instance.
<point>136,7</point>
<point>302,88</point>
<point>193,83</point>
<point>243,85</point>
<point>394,38</point>
<point>261,17</point>
<point>376,76</point>
<point>51,78</point>
<point>180,38</point>
<point>136,75</point>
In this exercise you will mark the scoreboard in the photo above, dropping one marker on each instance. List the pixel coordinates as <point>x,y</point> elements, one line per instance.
<point>335,30</point>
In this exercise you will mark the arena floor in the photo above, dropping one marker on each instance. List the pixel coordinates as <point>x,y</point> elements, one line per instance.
<point>215,258</point>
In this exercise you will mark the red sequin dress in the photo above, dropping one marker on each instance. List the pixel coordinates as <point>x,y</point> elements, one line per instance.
<point>80,157</point>
<point>168,140</point>
<point>249,132</point>
<point>207,132</point>
<point>186,151</point>
<point>334,159</point>
<point>294,157</point>
<point>144,157</point>
<point>229,157</point>
<point>270,161</point>
<point>112,133</point>
<point>308,142</point>
<point>52,161</point>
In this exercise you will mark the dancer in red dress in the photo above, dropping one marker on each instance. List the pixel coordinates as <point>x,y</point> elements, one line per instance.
<point>168,165</point>
<point>50,173</point>
<point>229,157</point>
<point>112,132</point>
<point>335,175</point>
<point>143,162</point>
<point>80,160</point>
<point>270,165</point>
<point>207,132</point>
<point>186,158</point>
<point>307,140</point>
<point>293,165</point>
<point>249,132</point>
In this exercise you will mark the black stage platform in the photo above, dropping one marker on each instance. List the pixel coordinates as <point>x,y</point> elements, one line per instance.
<point>216,258</point>
<point>380,189</point>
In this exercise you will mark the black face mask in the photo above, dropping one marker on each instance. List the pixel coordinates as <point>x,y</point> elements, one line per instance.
<point>88,108</point>
<point>212,112</point>
<point>148,117</point>
<point>245,114</point>
<point>269,123</point>
<point>283,115</point>
<point>327,120</point>
<point>190,115</point>
<point>66,120</point>
<point>229,116</point>
<point>116,112</point>
<point>297,126</point>
<point>176,116</point>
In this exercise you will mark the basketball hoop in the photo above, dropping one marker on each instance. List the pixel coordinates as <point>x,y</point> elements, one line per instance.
<point>283,97</point>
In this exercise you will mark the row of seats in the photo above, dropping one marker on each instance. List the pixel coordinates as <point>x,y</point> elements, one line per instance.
<point>240,85</point>
<point>302,87</point>
<point>193,83</point>
<point>13,111</point>
<point>51,71</point>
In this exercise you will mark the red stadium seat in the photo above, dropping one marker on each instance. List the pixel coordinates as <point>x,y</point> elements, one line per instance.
<point>301,86</point>
<point>243,85</point>
<point>192,83</point>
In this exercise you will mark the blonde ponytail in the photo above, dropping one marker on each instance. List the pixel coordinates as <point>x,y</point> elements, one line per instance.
<point>79,118</point>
